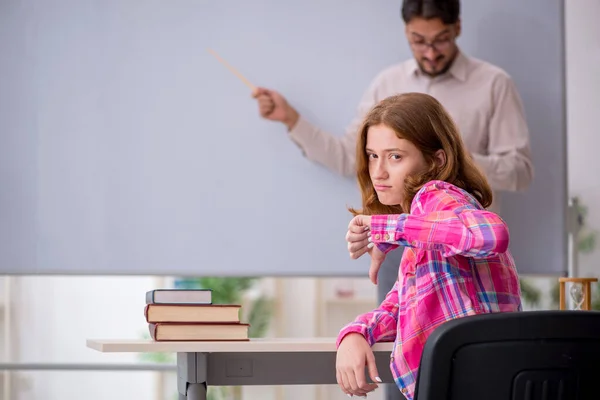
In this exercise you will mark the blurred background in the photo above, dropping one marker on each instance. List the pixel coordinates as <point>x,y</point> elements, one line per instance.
<point>45,319</point>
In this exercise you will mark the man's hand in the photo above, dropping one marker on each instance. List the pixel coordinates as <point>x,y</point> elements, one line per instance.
<point>359,243</point>
<point>273,106</point>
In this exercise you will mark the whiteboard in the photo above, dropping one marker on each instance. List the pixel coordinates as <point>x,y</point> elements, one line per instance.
<point>126,148</point>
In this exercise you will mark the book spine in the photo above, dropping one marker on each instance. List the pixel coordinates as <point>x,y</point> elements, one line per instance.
<point>152,330</point>
<point>150,297</point>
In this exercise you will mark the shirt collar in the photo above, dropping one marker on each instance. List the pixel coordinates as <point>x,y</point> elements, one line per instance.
<point>458,69</point>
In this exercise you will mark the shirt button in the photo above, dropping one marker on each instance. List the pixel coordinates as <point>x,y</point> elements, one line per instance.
<point>377,236</point>
<point>404,390</point>
<point>387,237</point>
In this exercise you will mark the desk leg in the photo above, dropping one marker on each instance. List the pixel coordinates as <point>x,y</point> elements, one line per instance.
<point>191,376</point>
<point>196,391</point>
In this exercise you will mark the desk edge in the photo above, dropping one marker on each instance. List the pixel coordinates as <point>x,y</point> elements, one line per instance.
<point>110,346</point>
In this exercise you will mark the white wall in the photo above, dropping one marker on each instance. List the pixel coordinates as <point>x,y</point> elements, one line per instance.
<point>583,103</point>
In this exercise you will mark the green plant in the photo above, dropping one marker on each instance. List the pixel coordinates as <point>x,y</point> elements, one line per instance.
<point>259,317</point>
<point>586,242</point>
<point>231,291</point>
<point>228,290</point>
<point>530,293</point>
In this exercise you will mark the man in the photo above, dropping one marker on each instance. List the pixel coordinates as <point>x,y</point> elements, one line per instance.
<point>481,98</point>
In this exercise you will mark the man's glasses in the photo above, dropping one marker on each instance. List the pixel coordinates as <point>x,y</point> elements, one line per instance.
<point>438,45</point>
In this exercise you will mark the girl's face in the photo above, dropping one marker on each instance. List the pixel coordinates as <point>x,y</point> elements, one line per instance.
<point>391,160</point>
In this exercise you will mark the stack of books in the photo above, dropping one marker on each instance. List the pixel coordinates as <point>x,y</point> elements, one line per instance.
<point>190,315</point>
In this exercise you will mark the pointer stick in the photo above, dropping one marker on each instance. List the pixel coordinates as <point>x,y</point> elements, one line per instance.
<point>233,70</point>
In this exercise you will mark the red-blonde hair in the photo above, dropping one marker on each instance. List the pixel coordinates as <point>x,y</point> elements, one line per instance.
<point>422,120</point>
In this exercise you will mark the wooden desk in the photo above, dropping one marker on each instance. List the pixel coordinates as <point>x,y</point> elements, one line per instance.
<point>288,361</point>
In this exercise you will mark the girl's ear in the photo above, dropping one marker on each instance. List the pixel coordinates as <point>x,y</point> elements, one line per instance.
<point>440,158</point>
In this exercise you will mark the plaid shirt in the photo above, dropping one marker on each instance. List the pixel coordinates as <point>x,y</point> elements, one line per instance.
<point>456,263</point>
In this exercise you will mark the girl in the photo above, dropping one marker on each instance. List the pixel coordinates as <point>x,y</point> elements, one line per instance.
<point>420,189</point>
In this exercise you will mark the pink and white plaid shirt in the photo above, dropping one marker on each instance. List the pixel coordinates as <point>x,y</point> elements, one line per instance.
<point>456,263</point>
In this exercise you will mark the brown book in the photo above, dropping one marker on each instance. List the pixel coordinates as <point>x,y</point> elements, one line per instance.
<point>163,332</point>
<point>227,313</point>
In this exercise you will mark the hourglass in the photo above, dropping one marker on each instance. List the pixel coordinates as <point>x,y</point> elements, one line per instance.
<point>579,292</point>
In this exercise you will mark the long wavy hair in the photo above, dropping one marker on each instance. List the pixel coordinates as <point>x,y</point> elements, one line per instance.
<point>422,120</point>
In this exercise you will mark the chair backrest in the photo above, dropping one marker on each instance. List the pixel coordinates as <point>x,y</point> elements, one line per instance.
<point>528,355</point>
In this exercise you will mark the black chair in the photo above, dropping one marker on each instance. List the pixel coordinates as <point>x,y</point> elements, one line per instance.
<point>530,355</point>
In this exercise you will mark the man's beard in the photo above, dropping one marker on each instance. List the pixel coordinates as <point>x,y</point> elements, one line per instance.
<point>443,70</point>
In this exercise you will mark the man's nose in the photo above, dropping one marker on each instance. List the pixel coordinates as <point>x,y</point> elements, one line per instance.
<point>430,53</point>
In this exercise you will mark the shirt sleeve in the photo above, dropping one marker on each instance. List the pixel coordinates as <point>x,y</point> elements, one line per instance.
<point>508,164</point>
<point>455,228</point>
<point>379,325</point>
<point>337,153</point>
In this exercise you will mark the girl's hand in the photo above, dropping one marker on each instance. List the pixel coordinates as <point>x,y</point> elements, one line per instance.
<point>359,243</point>
<point>358,236</point>
<point>377,258</point>
<point>354,353</point>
